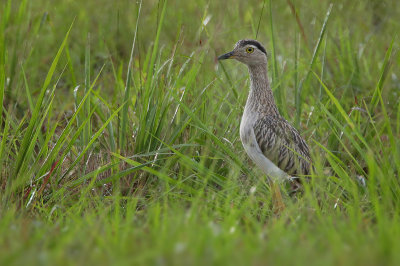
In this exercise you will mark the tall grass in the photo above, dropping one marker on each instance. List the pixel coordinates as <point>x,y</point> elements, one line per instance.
<point>120,145</point>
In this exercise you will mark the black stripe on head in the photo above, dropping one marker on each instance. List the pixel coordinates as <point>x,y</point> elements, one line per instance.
<point>242,43</point>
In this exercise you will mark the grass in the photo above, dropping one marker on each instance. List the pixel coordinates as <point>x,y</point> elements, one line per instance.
<point>120,133</point>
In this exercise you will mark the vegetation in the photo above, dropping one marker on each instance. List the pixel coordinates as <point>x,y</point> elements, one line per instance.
<point>120,133</point>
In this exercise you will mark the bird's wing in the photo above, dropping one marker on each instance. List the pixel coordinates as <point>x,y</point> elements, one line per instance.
<point>281,143</point>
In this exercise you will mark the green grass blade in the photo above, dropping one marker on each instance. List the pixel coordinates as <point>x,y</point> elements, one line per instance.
<point>27,90</point>
<point>92,140</point>
<point>28,134</point>
<point>383,74</point>
<point>299,98</point>
<point>278,90</point>
<point>2,66</point>
<point>124,120</point>
<point>86,110</point>
<point>160,175</point>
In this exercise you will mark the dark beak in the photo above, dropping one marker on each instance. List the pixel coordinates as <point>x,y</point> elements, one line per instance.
<point>226,56</point>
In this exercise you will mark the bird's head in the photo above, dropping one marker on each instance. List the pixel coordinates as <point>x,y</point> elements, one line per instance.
<point>249,52</point>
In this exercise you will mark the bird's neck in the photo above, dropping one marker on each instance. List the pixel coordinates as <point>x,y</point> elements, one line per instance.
<point>261,98</point>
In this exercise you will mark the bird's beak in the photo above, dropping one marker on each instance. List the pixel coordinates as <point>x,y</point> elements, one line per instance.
<point>227,56</point>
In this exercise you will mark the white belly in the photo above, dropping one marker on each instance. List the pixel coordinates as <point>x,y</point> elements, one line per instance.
<point>253,150</point>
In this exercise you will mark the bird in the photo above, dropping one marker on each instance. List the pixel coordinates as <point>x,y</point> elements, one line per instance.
<point>270,141</point>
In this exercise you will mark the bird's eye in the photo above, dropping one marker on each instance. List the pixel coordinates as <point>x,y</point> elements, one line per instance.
<point>249,50</point>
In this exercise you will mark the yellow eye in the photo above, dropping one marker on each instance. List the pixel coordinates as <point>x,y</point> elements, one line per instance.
<point>249,50</point>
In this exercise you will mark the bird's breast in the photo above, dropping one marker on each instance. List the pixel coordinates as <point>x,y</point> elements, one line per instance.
<point>246,126</point>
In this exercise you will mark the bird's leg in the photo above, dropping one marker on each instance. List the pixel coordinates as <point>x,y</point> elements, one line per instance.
<point>277,201</point>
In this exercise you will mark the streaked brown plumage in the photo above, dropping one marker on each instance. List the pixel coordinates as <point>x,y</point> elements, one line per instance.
<point>283,145</point>
<point>269,140</point>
